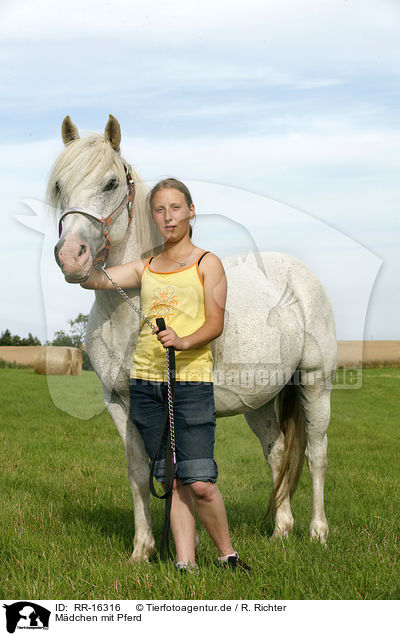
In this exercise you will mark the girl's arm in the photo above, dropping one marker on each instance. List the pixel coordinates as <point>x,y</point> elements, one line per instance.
<point>127,276</point>
<point>215,288</point>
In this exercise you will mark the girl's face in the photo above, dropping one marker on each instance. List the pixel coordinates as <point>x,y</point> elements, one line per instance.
<point>171,213</point>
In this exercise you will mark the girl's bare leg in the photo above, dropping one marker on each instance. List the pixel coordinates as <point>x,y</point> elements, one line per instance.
<point>183,525</point>
<point>211,510</point>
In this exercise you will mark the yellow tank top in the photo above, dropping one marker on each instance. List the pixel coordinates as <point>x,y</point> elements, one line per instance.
<point>178,297</point>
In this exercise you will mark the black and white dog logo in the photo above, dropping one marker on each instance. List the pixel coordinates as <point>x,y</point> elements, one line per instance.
<point>26,615</point>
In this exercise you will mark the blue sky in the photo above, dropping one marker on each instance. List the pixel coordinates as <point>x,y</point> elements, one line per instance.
<point>291,108</point>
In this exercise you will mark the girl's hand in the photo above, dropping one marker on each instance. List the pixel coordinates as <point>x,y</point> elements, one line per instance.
<point>169,338</point>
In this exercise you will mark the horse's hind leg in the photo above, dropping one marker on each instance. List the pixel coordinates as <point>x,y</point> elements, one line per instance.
<point>138,473</point>
<point>314,396</point>
<point>264,424</point>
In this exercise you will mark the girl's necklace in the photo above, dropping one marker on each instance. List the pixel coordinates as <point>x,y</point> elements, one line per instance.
<point>180,263</point>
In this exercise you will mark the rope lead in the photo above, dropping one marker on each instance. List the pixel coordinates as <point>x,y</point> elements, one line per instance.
<point>168,427</point>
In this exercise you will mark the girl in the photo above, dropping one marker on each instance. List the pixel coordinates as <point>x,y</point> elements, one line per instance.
<point>186,286</point>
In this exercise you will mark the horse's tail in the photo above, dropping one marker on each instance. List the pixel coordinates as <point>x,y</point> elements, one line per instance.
<point>292,425</point>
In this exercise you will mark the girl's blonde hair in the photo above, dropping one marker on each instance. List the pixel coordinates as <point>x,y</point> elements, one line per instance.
<point>175,185</point>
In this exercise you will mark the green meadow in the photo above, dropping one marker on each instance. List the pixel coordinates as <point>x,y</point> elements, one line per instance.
<point>67,514</point>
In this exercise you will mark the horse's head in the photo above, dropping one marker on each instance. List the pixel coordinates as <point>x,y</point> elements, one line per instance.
<point>92,188</point>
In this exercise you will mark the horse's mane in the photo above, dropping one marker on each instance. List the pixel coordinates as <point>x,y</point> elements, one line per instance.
<point>94,155</point>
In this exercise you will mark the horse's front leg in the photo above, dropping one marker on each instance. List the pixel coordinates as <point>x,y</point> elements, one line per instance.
<point>138,473</point>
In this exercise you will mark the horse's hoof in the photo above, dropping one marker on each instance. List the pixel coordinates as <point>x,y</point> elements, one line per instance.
<point>141,553</point>
<point>284,524</point>
<point>134,559</point>
<point>319,531</point>
<point>319,540</point>
<point>280,534</point>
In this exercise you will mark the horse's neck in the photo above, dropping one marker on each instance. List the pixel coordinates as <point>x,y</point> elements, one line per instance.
<point>127,250</point>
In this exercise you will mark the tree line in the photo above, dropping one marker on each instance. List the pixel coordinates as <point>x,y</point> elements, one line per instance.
<point>8,340</point>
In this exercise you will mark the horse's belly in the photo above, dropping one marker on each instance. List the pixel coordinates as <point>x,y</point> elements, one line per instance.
<point>246,387</point>
<point>232,400</point>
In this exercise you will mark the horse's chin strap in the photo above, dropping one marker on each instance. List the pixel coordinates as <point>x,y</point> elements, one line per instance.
<point>102,255</point>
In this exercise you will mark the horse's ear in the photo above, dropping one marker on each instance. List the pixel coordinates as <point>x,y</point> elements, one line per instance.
<point>113,132</point>
<point>69,131</point>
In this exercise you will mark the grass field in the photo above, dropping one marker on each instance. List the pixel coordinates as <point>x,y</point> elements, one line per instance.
<point>67,516</point>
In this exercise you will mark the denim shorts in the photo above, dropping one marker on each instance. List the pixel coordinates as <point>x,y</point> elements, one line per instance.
<point>194,419</point>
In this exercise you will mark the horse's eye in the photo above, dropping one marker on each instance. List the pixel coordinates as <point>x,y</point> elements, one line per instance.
<point>57,187</point>
<point>111,185</point>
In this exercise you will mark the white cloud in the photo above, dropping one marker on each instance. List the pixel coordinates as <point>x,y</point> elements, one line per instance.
<point>343,148</point>
<point>293,100</point>
<point>334,145</point>
<point>277,30</point>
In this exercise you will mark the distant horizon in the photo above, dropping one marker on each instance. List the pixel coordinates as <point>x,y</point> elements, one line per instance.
<point>337,340</point>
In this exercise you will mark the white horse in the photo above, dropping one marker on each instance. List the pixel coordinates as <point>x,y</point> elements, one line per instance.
<point>275,360</point>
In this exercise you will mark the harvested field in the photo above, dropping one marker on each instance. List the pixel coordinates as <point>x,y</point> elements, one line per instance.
<point>371,353</point>
<point>351,353</point>
<point>20,355</point>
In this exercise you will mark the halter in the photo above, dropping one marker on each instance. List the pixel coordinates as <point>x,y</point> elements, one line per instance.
<point>102,255</point>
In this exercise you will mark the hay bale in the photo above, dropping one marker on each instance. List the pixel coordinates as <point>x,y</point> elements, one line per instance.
<point>76,361</point>
<point>53,361</point>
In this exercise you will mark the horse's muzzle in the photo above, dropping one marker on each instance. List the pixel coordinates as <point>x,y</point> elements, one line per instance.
<point>73,255</point>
